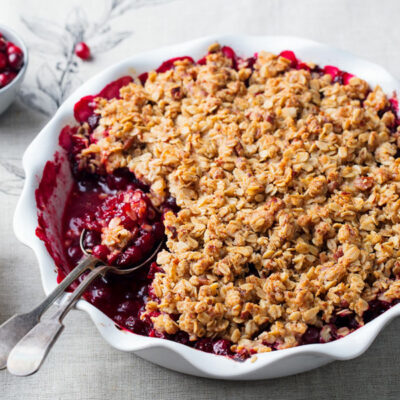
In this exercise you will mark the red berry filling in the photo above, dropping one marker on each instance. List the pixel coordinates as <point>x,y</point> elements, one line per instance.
<point>169,64</point>
<point>84,108</point>
<point>337,75</point>
<point>136,214</point>
<point>229,53</point>
<point>3,61</point>
<point>111,91</point>
<point>289,55</point>
<point>92,203</point>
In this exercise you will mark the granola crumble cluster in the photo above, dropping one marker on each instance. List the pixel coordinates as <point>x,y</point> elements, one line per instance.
<point>289,193</point>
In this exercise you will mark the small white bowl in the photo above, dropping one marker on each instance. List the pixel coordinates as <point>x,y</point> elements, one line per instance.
<point>163,352</point>
<point>9,92</point>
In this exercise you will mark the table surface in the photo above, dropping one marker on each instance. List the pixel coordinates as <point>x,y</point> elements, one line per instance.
<point>82,365</point>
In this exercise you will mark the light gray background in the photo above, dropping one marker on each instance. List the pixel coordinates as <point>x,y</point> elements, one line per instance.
<point>82,365</point>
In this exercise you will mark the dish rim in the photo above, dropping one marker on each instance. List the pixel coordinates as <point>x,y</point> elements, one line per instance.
<point>45,144</point>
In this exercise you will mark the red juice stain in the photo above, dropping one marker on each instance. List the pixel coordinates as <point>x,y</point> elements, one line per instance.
<point>43,195</point>
<point>48,182</point>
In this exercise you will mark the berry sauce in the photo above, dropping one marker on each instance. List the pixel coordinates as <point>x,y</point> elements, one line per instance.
<point>96,198</point>
<point>92,202</point>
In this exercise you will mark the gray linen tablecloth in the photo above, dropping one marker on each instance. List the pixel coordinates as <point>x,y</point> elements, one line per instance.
<point>82,365</point>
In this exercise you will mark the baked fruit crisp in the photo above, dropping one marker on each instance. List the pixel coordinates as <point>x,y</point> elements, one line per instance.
<point>276,182</point>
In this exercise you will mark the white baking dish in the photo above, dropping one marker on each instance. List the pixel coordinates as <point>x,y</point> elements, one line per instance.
<point>163,352</point>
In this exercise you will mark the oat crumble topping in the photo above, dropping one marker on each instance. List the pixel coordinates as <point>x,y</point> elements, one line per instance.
<point>288,186</point>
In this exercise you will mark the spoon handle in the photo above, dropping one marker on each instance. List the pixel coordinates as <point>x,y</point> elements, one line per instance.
<point>30,352</point>
<point>88,262</point>
<point>15,328</point>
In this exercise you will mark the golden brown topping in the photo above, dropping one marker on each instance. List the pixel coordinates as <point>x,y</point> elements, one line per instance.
<point>288,187</point>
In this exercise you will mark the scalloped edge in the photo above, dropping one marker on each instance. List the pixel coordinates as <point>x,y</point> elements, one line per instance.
<point>166,353</point>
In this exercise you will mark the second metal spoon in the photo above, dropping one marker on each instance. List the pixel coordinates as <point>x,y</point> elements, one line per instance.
<point>28,354</point>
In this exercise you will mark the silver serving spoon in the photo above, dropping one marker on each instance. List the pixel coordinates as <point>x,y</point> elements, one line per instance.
<point>15,328</point>
<point>25,340</point>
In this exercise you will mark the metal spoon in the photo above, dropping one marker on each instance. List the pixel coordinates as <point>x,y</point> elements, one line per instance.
<point>29,353</point>
<point>15,328</point>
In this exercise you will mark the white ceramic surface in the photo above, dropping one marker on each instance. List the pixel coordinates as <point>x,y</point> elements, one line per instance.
<point>9,92</point>
<point>163,352</point>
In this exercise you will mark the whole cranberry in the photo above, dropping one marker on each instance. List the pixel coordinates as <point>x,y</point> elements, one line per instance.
<point>100,251</point>
<point>100,295</point>
<point>3,61</point>
<point>222,347</point>
<point>15,60</point>
<point>131,256</point>
<point>12,48</point>
<point>92,238</point>
<point>6,78</point>
<point>74,252</point>
<point>204,345</point>
<point>145,242</point>
<point>130,307</point>
<point>312,335</point>
<point>3,44</point>
<point>82,50</point>
<point>136,325</point>
<point>182,337</point>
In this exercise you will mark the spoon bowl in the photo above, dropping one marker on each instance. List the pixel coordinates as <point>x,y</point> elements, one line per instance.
<point>28,337</point>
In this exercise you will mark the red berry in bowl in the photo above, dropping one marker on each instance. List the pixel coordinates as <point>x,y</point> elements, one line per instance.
<point>3,44</point>
<point>6,78</point>
<point>3,61</point>
<point>82,50</point>
<point>12,48</point>
<point>3,79</point>
<point>11,61</point>
<point>15,60</point>
<point>12,75</point>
